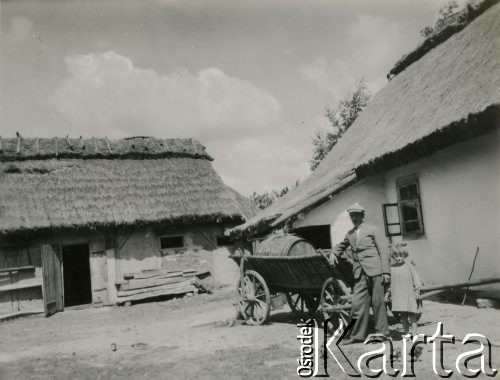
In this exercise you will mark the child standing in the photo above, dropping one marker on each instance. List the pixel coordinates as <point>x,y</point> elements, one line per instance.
<point>405,288</point>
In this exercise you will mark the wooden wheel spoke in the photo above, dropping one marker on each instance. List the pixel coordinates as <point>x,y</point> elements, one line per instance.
<point>344,313</point>
<point>260,313</point>
<point>261,303</point>
<point>302,304</point>
<point>246,308</point>
<point>256,304</point>
<point>333,291</point>
<point>260,294</point>
<point>252,310</point>
<point>256,291</point>
<point>248,282</point>
<point>247,287</point>
<point>330,296</point>
<point>261,300</point>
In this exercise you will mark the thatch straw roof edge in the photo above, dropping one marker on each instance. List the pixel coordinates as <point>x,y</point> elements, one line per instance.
<point>20,148</point>
<point>459,22</point>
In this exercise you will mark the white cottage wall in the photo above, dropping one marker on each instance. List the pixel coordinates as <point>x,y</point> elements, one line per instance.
<point>460,195</point>
<point>369,192</point>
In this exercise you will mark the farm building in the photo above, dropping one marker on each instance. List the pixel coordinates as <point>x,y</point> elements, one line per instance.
<point>422,158</point>
<point>76,215</point>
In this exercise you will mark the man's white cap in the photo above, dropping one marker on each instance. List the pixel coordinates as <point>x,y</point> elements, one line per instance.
<point>356,207</point>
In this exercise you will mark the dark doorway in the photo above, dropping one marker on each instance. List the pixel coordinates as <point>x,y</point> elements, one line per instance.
<point>76,275</point>
<point>318,235</point>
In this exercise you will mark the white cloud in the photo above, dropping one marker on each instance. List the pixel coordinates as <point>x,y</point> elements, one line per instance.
<point>336,78</point>
<point>20,30</point>
<point>261,164</point>
<point>375,84</point>
<point>105,91</point>
<point>378,40</point>
<point>376,43</point>
<point>105,94</point>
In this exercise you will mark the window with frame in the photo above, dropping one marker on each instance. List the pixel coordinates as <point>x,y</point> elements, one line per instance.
<point>405,217</point>
<point>171,242</point>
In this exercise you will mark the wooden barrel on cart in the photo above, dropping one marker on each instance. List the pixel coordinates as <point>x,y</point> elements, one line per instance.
<point>285,245</point>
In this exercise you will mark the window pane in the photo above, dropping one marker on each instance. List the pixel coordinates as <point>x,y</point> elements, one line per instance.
<point>410,213</point>
<point>412,226</point>
<point>412,191</point>
<point>409,205</point>
<point>391,219</point>
<point>394,229</point>
<point>403,193</point>
<point>171,242</point>
<point>392,214</point>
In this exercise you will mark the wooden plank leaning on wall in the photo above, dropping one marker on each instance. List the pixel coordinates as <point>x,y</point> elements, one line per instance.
<point>53,296</point>
<point>99,272</point>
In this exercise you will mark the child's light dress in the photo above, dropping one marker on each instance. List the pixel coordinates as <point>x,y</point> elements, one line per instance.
<point>404,282</point>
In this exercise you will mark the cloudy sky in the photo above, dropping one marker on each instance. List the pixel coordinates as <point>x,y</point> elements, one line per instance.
<point>250,79</point>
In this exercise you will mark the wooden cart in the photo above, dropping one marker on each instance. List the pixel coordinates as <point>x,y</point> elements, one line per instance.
<point>290,265</point>
<point>308,282</point>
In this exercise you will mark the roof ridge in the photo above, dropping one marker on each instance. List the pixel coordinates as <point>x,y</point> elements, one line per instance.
<point>460,21</point>
<point>137,147</point>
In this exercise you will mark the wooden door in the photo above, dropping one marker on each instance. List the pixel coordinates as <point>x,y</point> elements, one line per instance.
<point>53,297</point>
<point>111,263</point>
<point>99,273</point>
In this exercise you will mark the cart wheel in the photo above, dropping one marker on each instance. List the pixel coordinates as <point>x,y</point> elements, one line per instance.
<point>256,303</point>
<point>332,301</point>
<point>303,305</point>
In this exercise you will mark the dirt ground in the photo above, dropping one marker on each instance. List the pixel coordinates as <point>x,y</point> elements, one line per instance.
<point>190,338</point>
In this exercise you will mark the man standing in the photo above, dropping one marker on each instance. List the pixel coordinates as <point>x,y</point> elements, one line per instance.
<point>371,274</point>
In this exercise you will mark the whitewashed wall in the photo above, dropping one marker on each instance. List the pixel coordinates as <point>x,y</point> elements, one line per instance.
<point>370,193</point>
<point>460,194</point>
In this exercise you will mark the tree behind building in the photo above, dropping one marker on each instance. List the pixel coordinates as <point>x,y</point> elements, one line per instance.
<point>340,120</point>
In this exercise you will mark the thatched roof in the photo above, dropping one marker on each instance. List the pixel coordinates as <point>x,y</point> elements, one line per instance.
<point>170,181</point>
<point>451,94</point>
<point>134,147</point>
<point>454,24</point>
